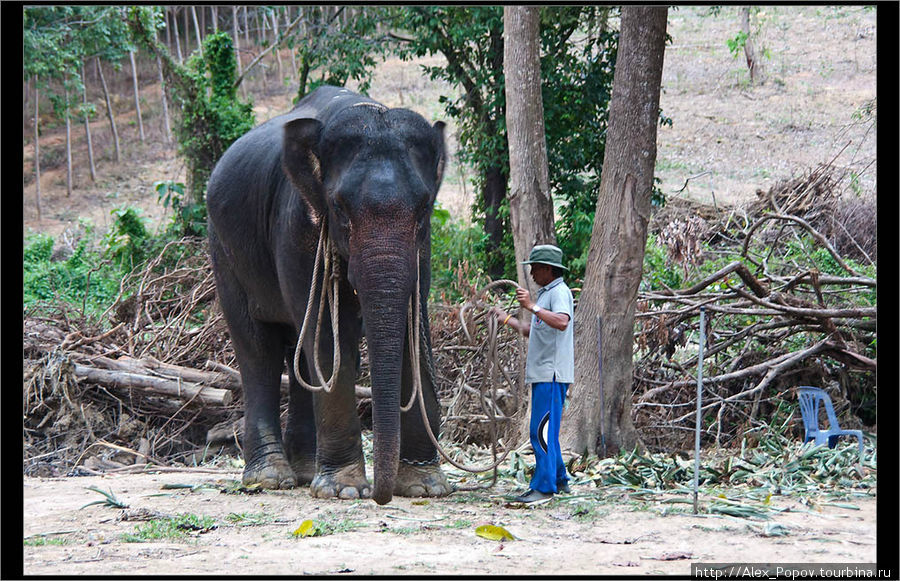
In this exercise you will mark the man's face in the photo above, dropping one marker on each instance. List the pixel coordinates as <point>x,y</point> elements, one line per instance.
<point>542,274</point>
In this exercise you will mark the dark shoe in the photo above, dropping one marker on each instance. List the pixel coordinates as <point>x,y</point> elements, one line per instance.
<point>534,497</point>
<point>563,487</point>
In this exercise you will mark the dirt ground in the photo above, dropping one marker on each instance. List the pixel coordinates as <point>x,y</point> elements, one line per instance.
<point>821,70</point>
<point>593,531</point>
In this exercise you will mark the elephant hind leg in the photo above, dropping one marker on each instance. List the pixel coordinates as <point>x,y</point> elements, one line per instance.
<point>259,348</point>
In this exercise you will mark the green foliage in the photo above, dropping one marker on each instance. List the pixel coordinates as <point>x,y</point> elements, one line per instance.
<point>188,216</point>
<point>84,280</point>
<point>736,44</point>
<point>340,49</point>
<point>211,116</point>
<point>457,250</point>
<point>125,242</point>
<point>174,528</point>
<point>658,274</point>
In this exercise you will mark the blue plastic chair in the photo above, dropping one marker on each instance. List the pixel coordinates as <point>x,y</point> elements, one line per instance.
<point>809,398</point>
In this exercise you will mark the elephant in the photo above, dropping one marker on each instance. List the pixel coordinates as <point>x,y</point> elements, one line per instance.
<point>369,176</point>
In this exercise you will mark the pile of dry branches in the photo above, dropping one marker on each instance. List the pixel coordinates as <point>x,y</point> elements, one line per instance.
<point>773,322</point>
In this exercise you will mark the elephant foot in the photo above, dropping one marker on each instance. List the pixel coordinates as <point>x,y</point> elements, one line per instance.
<point>271,471</point>
<point>422,480</point>
<point>304,469</point>
<point>348,482</point>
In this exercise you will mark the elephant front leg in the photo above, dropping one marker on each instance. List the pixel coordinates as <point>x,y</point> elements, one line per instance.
<point>419,472</point>
<point>340,464</point>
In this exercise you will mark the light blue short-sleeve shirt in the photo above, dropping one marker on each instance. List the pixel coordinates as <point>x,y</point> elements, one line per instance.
<point>551,353</point>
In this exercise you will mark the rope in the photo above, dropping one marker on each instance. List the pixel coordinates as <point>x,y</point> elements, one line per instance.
<point>329,272</point>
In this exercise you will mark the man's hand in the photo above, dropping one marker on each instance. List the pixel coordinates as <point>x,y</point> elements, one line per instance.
<point>524,298</point>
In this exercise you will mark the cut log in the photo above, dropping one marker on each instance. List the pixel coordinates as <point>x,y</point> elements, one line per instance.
<point>178,389</point>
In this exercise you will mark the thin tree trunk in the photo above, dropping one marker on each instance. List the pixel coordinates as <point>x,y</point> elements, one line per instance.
<point>177,36</point>
<point>68,140</point>
<point>246,28</point>
<point>757,74</point>
<point>87,125</point>
<point>530,206</point>
<point>109,112</point>
<point>196,26</point>
<point>214,14</point>
<point>616,253</point>
<point>277,50</point>
<point>167,126</point>
<point>37,148</point>
<point>187,32</point>
<point>237,48</point>
<point>287,22</point>
<point>137,95</point>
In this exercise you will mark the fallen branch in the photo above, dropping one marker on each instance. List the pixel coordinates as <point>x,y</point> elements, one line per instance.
<point>177,389</point>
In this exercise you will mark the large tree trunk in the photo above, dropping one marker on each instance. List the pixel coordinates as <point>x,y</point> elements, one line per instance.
<point>530,206</point>
<point>616,254</point>
<point>109,112</point>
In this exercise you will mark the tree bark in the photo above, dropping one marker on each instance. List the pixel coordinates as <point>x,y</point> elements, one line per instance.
<point>109,112</point>
<point>530,205</point>
<point>616,253</point>
<point>137,95</point>
<point>87,125</point>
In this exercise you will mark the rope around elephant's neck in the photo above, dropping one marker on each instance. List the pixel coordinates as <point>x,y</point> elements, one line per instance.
<point>325,253</point>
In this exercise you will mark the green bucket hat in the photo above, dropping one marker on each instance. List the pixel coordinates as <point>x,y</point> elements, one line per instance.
<point>546,254</point>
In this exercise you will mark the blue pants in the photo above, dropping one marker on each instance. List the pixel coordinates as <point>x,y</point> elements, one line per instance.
<point>546,410</point>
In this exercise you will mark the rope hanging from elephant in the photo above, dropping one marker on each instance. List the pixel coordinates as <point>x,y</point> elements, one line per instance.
<point>327,256</point>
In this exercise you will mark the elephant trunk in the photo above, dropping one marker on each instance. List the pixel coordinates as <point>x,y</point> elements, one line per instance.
<point>385,284</point>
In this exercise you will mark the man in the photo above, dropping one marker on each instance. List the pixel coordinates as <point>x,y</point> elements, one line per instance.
<point>549,366</point>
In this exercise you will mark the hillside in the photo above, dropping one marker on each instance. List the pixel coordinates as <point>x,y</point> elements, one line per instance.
<point>729,137</point>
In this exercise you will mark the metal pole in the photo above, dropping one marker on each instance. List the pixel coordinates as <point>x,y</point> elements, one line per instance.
<point>699,402</point>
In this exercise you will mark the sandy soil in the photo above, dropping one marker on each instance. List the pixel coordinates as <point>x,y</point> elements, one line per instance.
<point>592,532</point>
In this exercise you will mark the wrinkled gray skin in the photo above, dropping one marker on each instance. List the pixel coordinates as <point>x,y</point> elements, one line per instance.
<point>375,173</point>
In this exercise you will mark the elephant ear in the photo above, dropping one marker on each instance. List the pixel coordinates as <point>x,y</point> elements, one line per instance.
<point>301,160</point>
